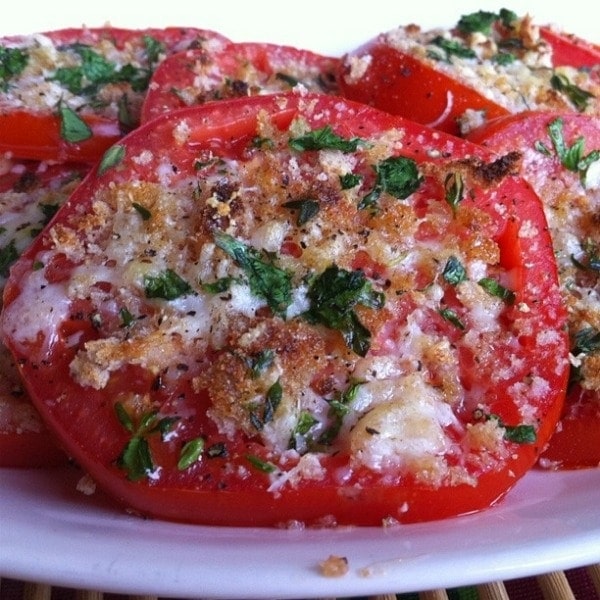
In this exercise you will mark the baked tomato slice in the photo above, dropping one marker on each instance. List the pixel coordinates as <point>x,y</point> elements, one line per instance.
<point>70,94</point>
<point>295,308</point>
<point>30,194</point>
<point>570,50</point>
<point>561,160</point>
<point>238,70</point>
<point>487,66</point>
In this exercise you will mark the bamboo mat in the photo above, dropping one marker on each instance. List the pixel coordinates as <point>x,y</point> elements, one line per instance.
<point>576,584</point>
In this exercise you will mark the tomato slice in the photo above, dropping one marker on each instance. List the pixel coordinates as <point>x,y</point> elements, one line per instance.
<point>30,193</point>
<point>561,160</point>
<point>292,308</point>
<point>570,50</point>
<point>485,67</point>
<point>243,69</point>
<point>70,94</point>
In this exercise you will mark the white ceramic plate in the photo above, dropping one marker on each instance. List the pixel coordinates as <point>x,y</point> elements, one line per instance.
<point>51,533</point>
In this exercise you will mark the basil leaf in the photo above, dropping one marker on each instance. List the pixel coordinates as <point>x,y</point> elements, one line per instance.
<point>585,341</point>
<point>260,363</point>
<point>339,407</point>
<point>154,49</point>
<point>73,129</point>
<point>452,317</point>
<point>453,48</point>
<point>166,285</point>
<point>333,295</point>
<point>272,284</point>
<point>324,139</point>
<point>136,459</point>
<point>520,434</point>
<point>454,187</point>
<point>349,180</point>
<point>8,255</point>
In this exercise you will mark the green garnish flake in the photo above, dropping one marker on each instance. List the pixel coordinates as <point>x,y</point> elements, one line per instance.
<point>154,49</point>
<point>142,210</point>
<point>260,464</point>
<point>591,260</point>
<point>261,362</point>
<point>454,272</point>
<point>450,315</point>
<point>291,81</point>
<point>451,48</point>
<point>307,209</point>
<point>223,284</point>
<point>112,157</point>
<point>585,341</point>
<point>333,296</point>
<point>73,128</point>
<point>494,288</point>
<point>260,416</point>
<point>167,285</point>
<point>190,453</point>
<point>48,210</point>
<point>571,157</point>
<point>397,176</point>
<point>267,281</point>
<point>349,180</point>
<point>480,21</point>
<point>518,434</point>
<point>136,458</point>
<point>454,188</point>
<point>339,407</point>
<point>126,317</point>
<point>12,63</point>
<point>578,97</point>
<point>324,139</point>
<point>8,255</point>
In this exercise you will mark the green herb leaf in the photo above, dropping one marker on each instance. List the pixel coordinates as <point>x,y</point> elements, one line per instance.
<point>578,97</point>
<point>453,48</point>
<point>124,418</point>
<point>266,280</point>
<point>12,62</point>
<point>307,209</point>
<point>154,49</point>
<point>586,341</point>
<point>333,295</point>
<point>73,129</point>
<point>8,255</point>
<point>126,317</point>
<point>454,187</point>
<point>142,210</point>
<point>397,176</point>
<point>339,407</point>
<point>481,21</point>
<point>494,288</point>
<point>166,285</point>
<point>454,272</point>
<point>190,453</point>
<point>261,465</point>
<point>261,362</point>
<point>349,180</point>
<point>136,459</point>
<point>520,434</point>
<point>112,157</point>
<point>324,139</point>
<point>452,317</point>
<point>219,286</point>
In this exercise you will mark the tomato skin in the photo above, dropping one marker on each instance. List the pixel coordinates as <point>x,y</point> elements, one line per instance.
<point>238,70</point>
<point>36,133</point>
<point>211,492</point>
<point>570,50</point>
<point>401,84</point>
<point>576,441</point>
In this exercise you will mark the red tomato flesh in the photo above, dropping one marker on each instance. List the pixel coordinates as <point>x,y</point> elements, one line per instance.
<point>178,429</point>
<point>571,200</point>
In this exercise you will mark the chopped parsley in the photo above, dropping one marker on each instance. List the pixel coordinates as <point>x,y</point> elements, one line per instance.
<point>451,48</point>
<point>454,272</point>
<point>454,189</point>
<point>333,295</point>
<point>190,453</point>
<point>452,317</point>
<point>339,407</point>
<point>73,128</point>
<point>571,157</point>
<point>12,63</point>
<point>307,209</point>
<point>263,414</point>
<point>136,458</point>
<point>8,255</point>
<point>577,96</point>
<point>482,21</point>
<point>349,180</point>
<point>324,139</point>
<point>267,281</point>
<point>397,176</point>
<point>167,285</point>
<point>494,288</point>
<point>261,362</point>
<point>112,157</point>
<point>518,434</point>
